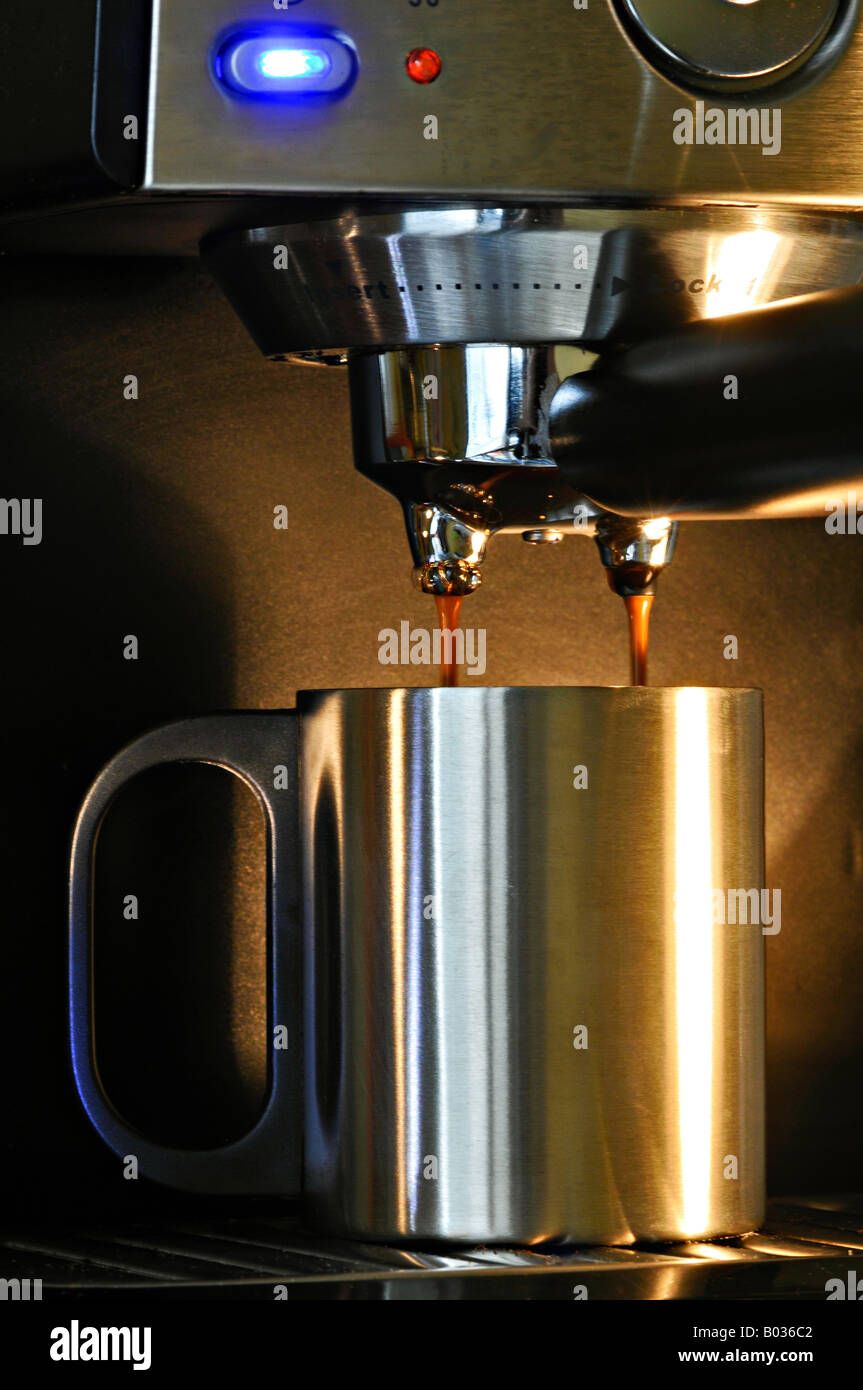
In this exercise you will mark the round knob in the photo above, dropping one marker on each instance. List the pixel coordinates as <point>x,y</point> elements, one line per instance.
<point>722,43</point>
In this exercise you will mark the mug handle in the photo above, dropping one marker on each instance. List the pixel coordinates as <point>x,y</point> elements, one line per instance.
<point>268,1158</point>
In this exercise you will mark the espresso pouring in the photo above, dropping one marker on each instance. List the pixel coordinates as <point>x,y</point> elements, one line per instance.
<point>451,647</point>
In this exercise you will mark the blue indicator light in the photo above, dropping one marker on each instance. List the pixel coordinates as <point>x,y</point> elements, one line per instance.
<point>286,63</point>
<point>294,62</point>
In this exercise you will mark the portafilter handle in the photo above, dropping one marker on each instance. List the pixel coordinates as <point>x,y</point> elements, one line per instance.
<point>757,414</point>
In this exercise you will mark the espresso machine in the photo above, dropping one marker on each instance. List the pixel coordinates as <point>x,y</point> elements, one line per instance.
<point>593,274</point>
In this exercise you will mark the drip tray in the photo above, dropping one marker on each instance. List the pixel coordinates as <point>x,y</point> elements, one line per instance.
<point>802,1245</point>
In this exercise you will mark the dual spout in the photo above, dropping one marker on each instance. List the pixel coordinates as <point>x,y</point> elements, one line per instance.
<point>460,436</point>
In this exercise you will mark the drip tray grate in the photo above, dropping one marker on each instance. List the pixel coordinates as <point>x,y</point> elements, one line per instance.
<point>802,1245</point>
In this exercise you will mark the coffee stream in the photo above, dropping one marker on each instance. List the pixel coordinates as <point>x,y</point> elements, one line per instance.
<point>638,608</point>
<point>448,609</point>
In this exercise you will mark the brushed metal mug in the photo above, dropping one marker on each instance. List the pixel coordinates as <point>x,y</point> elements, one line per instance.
<point>521,1018</point>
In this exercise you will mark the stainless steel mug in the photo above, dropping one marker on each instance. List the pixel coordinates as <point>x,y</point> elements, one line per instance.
<point>526,1015</point>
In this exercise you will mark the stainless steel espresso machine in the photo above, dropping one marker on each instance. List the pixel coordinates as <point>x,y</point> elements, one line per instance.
<point>593,268</point>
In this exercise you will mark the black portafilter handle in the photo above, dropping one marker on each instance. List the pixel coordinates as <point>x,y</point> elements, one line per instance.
<point>756,414</point>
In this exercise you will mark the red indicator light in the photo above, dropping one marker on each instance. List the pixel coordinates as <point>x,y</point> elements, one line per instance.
<point>423,65</point>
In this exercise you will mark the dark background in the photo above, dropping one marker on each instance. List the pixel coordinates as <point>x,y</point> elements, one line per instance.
<point>158,522</point>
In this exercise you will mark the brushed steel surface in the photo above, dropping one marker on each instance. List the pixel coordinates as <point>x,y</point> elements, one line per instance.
<point>557,103</point>
<point>508,276</point>
<point>486,402</point>
<point>466,909</point>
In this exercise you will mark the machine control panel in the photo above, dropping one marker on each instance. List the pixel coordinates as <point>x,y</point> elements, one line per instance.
<point>508,99</point>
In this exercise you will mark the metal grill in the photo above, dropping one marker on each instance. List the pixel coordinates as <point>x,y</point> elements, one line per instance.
<point>801,1246</point>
